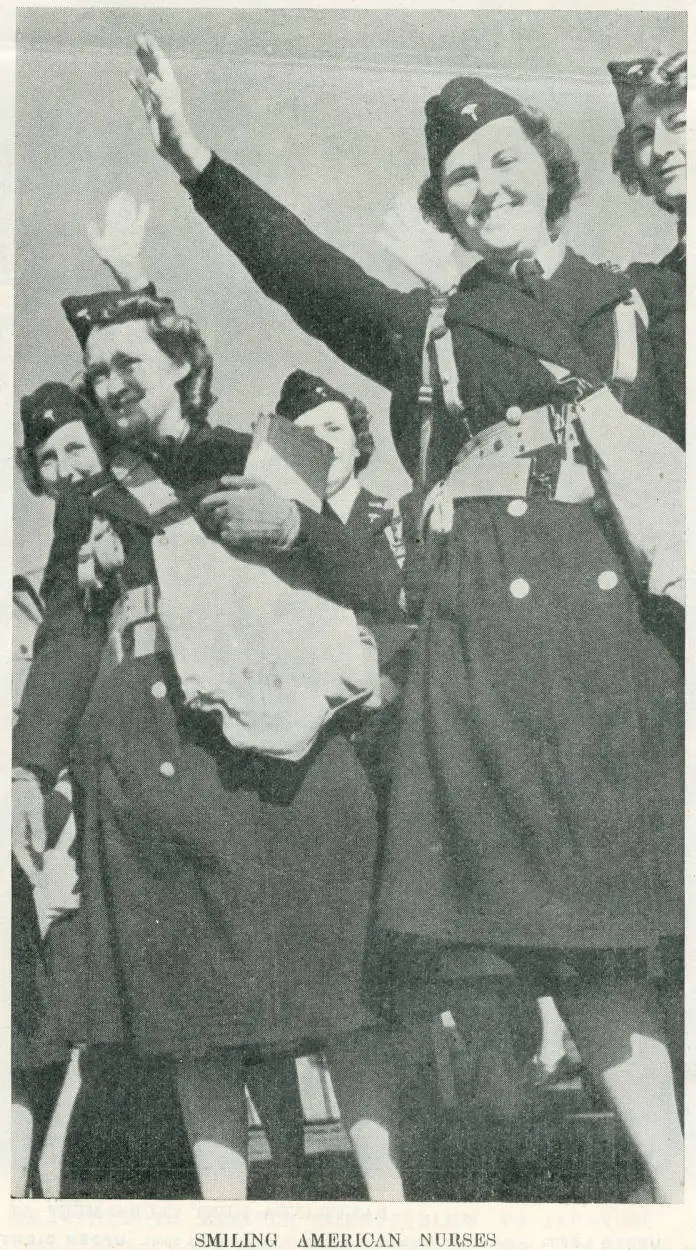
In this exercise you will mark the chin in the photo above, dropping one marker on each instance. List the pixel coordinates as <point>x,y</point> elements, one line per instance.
<point>672,200</point>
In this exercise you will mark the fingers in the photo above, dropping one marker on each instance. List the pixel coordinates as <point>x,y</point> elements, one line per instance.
<point>141,87</point>
<point>240,483</point>
<point>152,59</point>
<point>220,498</point>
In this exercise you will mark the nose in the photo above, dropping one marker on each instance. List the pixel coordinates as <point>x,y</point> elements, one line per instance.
<point>489,182</point>
<point>64,467</point>
<point>663,139</point>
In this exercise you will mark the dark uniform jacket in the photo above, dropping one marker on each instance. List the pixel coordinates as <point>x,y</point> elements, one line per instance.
<point>225,896</point>
<point>536,798</point>
<point>663,288</point>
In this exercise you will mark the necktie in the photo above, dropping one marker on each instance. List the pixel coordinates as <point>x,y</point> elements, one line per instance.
<point>529,276</point>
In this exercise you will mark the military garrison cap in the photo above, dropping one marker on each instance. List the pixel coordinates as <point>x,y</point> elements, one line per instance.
<point>461,108</point>
<point>51,406</point>
<point>302,391</point>
<point>105,308</point>
<point>632,77</point>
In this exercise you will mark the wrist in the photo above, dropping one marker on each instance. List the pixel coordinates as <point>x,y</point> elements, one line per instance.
<point>129,277</point>
<point>186,155</point>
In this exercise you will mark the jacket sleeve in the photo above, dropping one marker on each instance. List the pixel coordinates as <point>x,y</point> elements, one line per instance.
<point>329,296</point>
<point>67,653</point>
<point>343,564</point>
<point>664,296</point>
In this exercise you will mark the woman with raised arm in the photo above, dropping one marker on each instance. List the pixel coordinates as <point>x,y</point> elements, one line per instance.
<point>537,805</point>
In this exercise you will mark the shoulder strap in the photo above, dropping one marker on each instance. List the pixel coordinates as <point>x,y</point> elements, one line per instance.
<point>627,314</point>
<point>439,368</point>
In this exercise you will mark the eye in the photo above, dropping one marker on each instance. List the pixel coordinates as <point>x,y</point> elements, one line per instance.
<point>501,159</point>
<point>678,122</point>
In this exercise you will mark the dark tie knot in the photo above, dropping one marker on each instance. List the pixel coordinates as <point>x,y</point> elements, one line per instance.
<point>529,275</point>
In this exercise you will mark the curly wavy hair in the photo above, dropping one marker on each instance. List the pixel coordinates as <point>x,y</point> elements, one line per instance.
<point>623,157</point>
<point>561,168</point>
<point>181,340</point>
<point>359,418</point>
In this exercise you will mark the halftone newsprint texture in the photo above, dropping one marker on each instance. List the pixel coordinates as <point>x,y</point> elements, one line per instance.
<point>391,923</point>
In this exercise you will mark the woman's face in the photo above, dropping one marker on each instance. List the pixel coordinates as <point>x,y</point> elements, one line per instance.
<point>496,191</point>
<point>331,423</point>
<point>658,136</point>
<point>133,380</point>
<point>68,455</point>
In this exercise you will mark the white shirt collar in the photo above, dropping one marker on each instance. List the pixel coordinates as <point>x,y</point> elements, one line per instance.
<point>342,502</point>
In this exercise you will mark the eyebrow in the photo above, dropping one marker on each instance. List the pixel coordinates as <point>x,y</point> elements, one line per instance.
<point>465,169</point>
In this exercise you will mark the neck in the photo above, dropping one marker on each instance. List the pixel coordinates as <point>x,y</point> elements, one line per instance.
<point>342,500</point>
<point>548,252</point>
<point>172,424</point>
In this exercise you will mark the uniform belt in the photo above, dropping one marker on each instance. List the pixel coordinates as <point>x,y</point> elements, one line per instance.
<point>505,458</point>
<point>134,627</point>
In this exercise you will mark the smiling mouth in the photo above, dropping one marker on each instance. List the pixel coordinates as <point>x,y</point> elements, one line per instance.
<point>668,170</point>
<point>124,410</point>
<point>486,214</point>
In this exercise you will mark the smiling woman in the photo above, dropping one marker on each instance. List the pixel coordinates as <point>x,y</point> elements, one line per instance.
<point>63,438</point>
<point>149,368</point>
<point>516,162</point>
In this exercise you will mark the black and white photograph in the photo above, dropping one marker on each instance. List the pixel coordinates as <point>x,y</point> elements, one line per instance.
<point>348,599</point>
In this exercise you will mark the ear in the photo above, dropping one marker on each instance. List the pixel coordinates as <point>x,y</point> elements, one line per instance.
<point>182,371</point>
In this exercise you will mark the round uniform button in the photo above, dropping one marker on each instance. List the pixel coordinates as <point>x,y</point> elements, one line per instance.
<point>519,589</point>
<point>159,690</point>
<point>167,769</point>
<point>607,580</point>
<point>517,507</point>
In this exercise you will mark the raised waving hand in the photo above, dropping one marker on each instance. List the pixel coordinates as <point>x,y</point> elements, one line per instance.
<point>118,242</point>
<point>160,95</point>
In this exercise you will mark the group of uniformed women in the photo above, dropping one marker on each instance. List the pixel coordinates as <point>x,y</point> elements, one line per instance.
<point>236,910</point>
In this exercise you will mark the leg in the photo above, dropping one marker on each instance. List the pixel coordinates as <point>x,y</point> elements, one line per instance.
<point>34,1097</point>
<point>274,1088</point>
<point>211,1091</point>
<point>614,1018</point>
<point>364,1068</point>
<point>22,1136</point>
<point>671,993</point>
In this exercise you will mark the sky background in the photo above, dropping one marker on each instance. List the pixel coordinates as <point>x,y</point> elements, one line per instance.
<point>324,108</point>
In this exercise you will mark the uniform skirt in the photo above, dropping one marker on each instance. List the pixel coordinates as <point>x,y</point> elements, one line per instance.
<point>225,896</point>
<point>538,793</point>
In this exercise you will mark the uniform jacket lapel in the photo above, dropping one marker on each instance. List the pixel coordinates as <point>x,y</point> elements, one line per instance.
<point>503,311</point>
